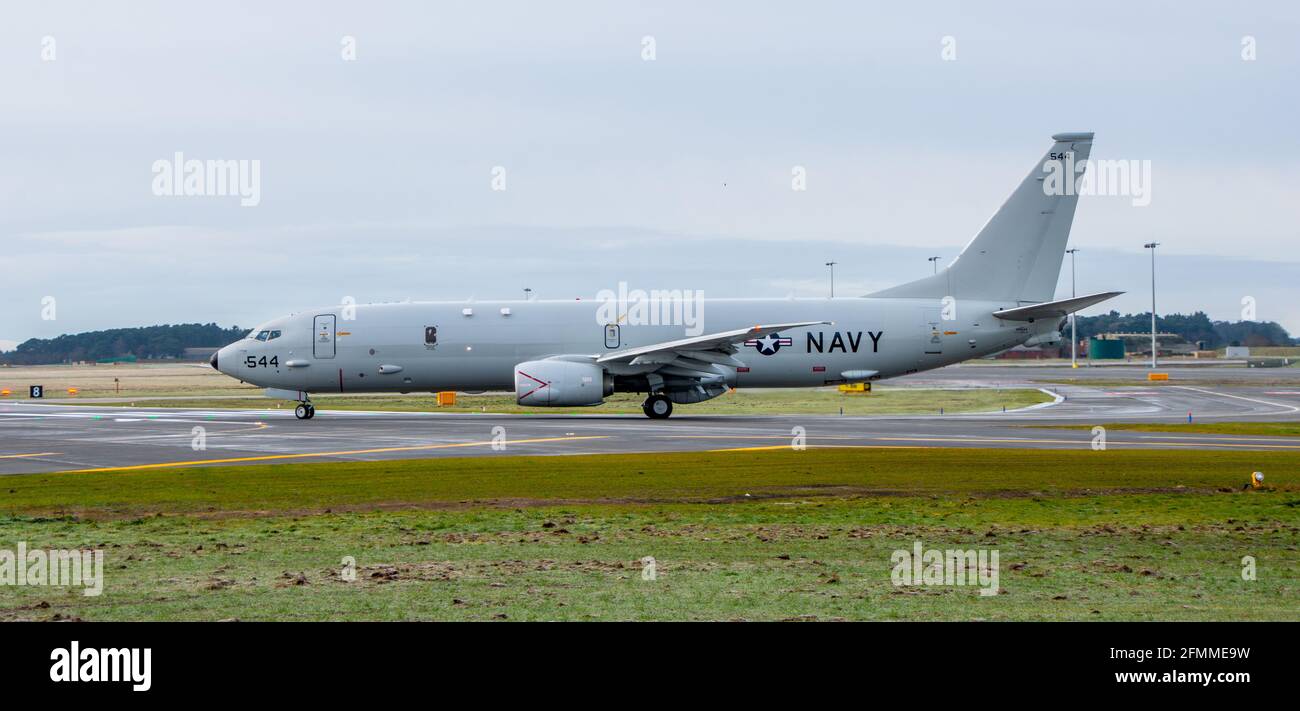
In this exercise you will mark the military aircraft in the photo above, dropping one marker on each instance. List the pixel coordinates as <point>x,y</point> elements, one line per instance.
<point>678,349</point>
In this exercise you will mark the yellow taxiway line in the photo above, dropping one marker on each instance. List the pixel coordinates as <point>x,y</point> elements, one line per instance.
<point>1188,443</point>
<point>302,455</point>
<point>35,454</point>
<point>1172,442</point>
<point>773,447</point>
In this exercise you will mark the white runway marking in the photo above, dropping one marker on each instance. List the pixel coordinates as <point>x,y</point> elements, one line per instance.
<point>1285,408</point>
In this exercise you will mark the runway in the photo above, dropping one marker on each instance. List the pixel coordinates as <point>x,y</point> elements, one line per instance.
<point>47,438</point>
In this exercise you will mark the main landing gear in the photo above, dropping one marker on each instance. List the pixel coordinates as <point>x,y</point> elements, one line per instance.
<point>305,410</point>
<point>657,407</point>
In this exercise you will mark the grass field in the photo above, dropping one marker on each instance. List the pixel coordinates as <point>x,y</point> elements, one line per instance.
<point>1274,429</point>
<point>123,380</point>
<point>1275,351</point>
<point>736,535</point>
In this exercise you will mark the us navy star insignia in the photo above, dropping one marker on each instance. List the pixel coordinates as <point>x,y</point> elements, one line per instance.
<point>769,344</point>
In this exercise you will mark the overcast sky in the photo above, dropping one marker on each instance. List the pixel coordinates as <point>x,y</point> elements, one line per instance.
<point>376,173</point>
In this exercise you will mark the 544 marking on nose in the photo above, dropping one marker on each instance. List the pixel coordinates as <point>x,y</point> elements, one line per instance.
<point>263,362</point>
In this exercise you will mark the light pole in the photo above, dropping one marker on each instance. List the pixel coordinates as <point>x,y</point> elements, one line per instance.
<point>1152,246</point>
<point>935,262</point>
<point>832,266</point>
<point>1074,337</point>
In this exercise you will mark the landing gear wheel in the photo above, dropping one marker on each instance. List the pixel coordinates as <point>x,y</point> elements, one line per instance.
<point>304,411</point>
<point>657,407</point>
<point>311,410</point>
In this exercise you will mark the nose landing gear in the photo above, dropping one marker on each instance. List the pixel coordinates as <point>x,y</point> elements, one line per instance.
<point>305,411</point>
<point>657,407</point>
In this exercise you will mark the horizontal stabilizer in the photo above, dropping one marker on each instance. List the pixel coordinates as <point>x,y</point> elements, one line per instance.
<point>1054,309</point>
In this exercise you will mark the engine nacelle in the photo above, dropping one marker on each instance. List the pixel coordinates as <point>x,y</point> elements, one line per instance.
<point>561,383</point>
<point>1050,339</point>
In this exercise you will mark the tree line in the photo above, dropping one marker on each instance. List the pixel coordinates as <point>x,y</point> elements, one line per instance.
<point>1196,327</point>
<point>144,342</point>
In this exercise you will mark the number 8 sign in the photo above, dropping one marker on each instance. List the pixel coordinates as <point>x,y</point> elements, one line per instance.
<point>37,391</point>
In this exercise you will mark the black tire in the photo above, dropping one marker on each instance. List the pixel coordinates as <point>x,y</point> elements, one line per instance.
<point>301,412</point>
<point>657,407</point>
<point>311,410</point>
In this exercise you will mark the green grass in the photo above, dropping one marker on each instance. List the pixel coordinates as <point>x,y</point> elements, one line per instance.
<point>1274,351</point>
<point>1273,429</point>
<point>765,535</point>
<point>663,476</point>
<point>884,401</point>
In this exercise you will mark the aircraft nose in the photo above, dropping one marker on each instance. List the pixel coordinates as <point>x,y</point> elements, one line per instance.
<point>213,361</point>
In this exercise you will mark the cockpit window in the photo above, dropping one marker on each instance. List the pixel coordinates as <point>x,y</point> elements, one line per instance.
<point>274,335</point>
<point>263,335</point>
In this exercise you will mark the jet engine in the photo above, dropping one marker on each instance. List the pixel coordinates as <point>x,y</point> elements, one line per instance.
<point>561,383</point>
<point>1050,339</point>
<point>1047,334</point>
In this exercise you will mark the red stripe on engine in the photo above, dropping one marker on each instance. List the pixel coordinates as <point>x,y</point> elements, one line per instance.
<point>542,384</point>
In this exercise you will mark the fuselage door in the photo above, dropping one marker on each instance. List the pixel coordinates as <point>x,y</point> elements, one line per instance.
<point>612,339</point>
<point>932,325</point>
<point>322,345</point>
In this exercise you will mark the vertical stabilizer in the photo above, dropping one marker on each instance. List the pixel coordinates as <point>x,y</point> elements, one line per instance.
<point>1017,255</point>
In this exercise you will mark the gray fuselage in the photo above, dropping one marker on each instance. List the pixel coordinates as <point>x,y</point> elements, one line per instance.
<point>474,346</point>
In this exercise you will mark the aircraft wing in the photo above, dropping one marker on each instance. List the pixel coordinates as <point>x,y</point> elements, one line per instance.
<point>1054,309</point>
<point>710,347</point>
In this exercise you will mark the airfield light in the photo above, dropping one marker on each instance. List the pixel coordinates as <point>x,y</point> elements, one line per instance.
<point>1152,246</point>
<point>1074,338</point>
<point>1257,479</point>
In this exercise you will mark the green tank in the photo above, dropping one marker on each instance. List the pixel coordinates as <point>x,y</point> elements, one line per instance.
<point>1105,349</point>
